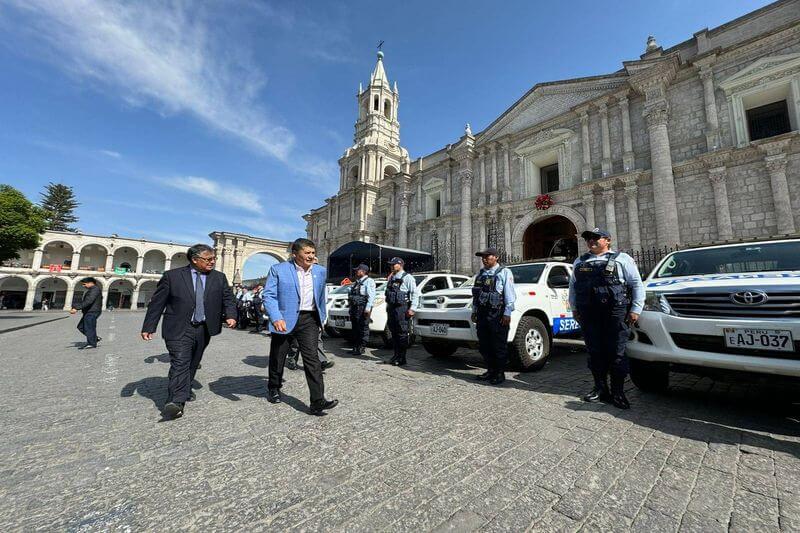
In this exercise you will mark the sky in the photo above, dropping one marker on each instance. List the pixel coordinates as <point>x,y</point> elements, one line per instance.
<point>172,119</point>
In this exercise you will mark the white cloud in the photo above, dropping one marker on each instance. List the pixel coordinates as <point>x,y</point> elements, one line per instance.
<point>111,153</point>
<point>221,193</point>
<point>162,53</point>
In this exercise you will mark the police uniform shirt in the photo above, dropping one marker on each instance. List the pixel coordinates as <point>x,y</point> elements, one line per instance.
<point>627,272</point>
<point>367,289</point>
<point>504,284</point>
<point>409,286</point>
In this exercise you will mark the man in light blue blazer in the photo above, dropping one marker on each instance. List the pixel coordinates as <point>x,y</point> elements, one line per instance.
<point>295,297</point>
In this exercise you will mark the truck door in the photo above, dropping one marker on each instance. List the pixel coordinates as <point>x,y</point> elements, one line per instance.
<point>558,294</point>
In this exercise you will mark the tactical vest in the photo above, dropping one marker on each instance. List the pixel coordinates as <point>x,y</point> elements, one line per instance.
<point>597,284</point>
<point>394,296</point>
<point>356,299</point>
<point>484,292</point>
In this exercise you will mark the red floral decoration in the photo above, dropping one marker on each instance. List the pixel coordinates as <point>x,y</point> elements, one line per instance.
<point>544,202</point>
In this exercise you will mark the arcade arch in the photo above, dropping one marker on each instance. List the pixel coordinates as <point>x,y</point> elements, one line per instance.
<point>179,260</point>
<point>93,257</point>
<point>120,294</point>
<point>556,215</point>
<point>126,258</point>
<point>154,262</point>
<point>145,293</point>
<point>13,291</point>
<point>57,254</point>
<point>52,291</point>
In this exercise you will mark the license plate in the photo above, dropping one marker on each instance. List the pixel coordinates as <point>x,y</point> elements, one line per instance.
<point>338,322</point>
<point>439,329</point>
<point>778,340</point>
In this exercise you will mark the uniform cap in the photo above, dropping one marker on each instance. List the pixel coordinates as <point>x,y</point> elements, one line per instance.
<point>596,233</point>
<point>363,267</point>
<point>396,261</point>
<point>488,251</point>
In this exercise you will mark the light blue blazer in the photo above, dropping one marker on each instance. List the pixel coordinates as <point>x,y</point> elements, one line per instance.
<point>282,294</point>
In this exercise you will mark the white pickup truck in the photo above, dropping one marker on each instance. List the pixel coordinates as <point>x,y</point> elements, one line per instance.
<point>541,313</point>
<point>339,311</point>
<point>717,309</point>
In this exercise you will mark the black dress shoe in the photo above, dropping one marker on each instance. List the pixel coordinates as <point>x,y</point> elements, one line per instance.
<point>619,400</point>
<point>318,410</point>
<point>484,377</point>
<point>497,379</point>
<point>598,394</point>
<point>398,362</point>
<point>273,396</point>
<point>327,364</point>
<point>192,396</point>
<point>173,410</point>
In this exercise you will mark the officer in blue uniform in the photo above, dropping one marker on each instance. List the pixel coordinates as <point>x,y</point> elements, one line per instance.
<point>606,295</point>
<point>493,299</point>
<point>401,300</point>
<point>360,299</point>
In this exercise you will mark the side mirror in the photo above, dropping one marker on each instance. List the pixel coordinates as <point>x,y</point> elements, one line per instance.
<point>560,281</point>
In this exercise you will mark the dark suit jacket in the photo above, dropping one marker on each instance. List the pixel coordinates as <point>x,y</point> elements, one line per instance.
<point>174,297</point>
<point>92,301</point>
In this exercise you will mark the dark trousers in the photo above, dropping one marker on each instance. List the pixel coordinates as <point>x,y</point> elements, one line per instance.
<point>360,323</point>
<point>88,326</point>
<point>185,355</point>
<point>399,326</point>
<point>306,333</point>
<point>492,339</point>
<point>605,332</point>
<point>294,350</point>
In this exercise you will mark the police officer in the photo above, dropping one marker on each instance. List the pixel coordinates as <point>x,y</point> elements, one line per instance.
<point>401,300</point>
<point>606,295</point>
<point>361,298</point>
<point>493,299</point>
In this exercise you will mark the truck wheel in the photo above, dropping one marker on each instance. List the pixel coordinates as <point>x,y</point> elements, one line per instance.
<point>650,376</point>
<point>531,345</point>
<point>439,349</point>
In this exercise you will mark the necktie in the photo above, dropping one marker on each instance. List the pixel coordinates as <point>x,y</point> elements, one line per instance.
<point>199,306</point>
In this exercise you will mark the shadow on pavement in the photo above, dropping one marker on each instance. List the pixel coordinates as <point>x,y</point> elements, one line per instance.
<point>153,388</point>
<point>258,361</point>
<point>161,358</point>
<point>234,387</point>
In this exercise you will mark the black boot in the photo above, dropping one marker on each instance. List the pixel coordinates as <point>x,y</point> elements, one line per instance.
<point>618,392</point>
<point>599,392</point>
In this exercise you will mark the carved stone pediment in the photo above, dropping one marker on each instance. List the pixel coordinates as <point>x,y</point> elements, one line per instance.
<point>762,70</point>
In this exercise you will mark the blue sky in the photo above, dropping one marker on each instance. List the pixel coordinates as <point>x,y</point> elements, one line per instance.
<point>174,119</point>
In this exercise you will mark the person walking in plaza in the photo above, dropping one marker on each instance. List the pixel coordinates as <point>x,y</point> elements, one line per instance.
<point>92,307</point>
<point>401,301</point>
<point>295,298</point>
<point>606,295</point>
<point>360,299</point>
<point>196,299</point>
<point>493,298</point>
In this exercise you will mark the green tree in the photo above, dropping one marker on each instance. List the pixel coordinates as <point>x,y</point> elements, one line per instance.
<point>21,223</point>
<point>58,203</point>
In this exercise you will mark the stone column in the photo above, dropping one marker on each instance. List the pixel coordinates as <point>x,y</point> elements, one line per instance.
<point>506,218</point>
<point>70,296</point>
<point>402,238</point>
<point>105,295</point>
<point>507,175</point>
<point>30,295</point>
<point>109,262</point>
<point>482,229</point>
<point>588,205</point>
<point>76,261</point>
<point>37,259</point>
<point>465,176</point>
<point>611,213</point>
<point>718,176</point>
<point>168,262</point>
<point>139,264</point>
<point>482,199</point>
<point>135,297</point>
<point>776,166</point>
<point>493,155</point>
<point>666,205</point>
<point>634,236</point>
<point>602,107</point>
<point>627,144</point>
<point>586,171</point>
<point>712,121</point>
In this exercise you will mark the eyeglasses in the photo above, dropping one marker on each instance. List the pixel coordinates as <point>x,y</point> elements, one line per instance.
<point>207,259</point>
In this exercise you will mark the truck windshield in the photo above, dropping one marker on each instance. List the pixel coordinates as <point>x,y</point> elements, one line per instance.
<point>756,257</point>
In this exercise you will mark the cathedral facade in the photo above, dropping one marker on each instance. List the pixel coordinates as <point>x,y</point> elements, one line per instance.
<point>697,143</point>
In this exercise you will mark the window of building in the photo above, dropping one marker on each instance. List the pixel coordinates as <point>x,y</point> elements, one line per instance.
<point>768,120</point>
<point>381,217</point>
<point>387,109</point>
<point>549,177</point>
<point>433,204</point>
<point>376,103</point>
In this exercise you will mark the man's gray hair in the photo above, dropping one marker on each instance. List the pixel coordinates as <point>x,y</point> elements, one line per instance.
<point>197,249</point>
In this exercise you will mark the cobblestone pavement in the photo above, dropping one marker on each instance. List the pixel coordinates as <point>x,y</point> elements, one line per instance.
<point>409,449</point>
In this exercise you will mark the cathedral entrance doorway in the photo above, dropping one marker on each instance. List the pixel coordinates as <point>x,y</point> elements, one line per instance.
<point>551,237</point>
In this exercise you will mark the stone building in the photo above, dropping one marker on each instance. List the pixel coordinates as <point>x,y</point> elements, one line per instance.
<point>127,269</point>
<point>690,144</point>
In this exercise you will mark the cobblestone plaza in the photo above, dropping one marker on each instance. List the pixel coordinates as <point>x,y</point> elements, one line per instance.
<point>424,447</point>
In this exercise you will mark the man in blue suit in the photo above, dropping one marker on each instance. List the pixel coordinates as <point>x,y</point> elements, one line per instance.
<point>295,298</point>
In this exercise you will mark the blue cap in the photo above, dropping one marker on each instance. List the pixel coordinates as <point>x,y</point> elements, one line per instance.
<point>396,261</point>
<point>363,267</point>
<point>595,233</point>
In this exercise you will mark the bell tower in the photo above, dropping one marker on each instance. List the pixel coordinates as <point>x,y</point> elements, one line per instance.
<point>377,109</point>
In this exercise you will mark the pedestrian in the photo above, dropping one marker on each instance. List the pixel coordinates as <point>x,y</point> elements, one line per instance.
<point>45,304</point>
<point>197,299</point>
<point>92,307</point>
<point>295,298</point>
<point>493,298</point>
<point>360,300</point>
<point>401,301</point>
<point>606,296</point>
